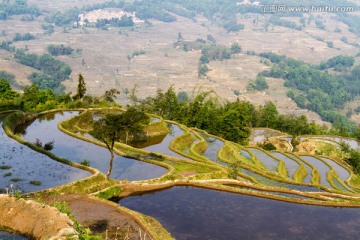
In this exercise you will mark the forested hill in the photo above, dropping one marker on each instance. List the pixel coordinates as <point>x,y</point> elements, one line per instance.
<point>314,87</point>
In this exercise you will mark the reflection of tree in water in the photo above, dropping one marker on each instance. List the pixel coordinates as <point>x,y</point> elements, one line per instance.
<point>171,128</point>
<point>49,117</point>
<point>208,138</point>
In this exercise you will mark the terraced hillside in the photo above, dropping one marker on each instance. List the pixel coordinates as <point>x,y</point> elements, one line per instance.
<point>195,156</point>
<point>175,155</point>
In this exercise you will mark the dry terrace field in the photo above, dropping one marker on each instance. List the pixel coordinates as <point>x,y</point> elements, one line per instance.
<point>105,65</point>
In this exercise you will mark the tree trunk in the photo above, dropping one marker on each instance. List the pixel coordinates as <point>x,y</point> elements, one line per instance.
<point>111,164</point>
<point>127,136</point>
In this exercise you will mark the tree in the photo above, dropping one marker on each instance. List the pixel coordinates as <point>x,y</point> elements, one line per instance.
<point>269,115</point>
<point>110,128</point>
<point>235,48</point>
<point>202,70</point>
<point>180,37</point>
<point>81,89</point>
<point>107,130</point>
<point>4,86</point>
<point>5,90</point>
<point>261,83</point>
<point>110,95</point>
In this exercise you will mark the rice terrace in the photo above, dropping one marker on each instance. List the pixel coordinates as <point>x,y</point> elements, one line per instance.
<point>179,120</point>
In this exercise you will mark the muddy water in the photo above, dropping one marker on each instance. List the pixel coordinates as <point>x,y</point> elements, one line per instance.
<point>20,165</point>
<point>196,214</point>
<point>76,150</point>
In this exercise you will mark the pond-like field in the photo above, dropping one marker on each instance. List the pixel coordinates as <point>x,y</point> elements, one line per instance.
<point>163,146</point>
<point>322,168</point>
<point>27,170</point>
<point>195,213</point>
<point>45,128</point>
<point>270,163</point>
<point>213,148</point>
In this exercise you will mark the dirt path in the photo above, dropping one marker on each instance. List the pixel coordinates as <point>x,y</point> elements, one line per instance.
<point>102,218</point>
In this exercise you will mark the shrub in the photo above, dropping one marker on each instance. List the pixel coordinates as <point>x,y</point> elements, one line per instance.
<point>35,183</point>
<point>267,146</point>
<point>49,146</point>
<point>85,163</point>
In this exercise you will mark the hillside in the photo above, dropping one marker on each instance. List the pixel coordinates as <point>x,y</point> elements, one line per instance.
<point>106,55</point>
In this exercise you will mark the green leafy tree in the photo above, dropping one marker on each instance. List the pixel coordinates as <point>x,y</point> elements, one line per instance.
<point>4,86</point>
<point>111,127</point>
<point>107,130</point>
<point>269,115</point>
<point>6,92</point>
<point>233,128</point>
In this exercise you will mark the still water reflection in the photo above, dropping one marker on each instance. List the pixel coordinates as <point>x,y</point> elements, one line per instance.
<point>45,129</point>
<point>195,213</point>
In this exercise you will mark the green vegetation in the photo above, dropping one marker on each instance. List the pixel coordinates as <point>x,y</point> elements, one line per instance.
<point>9,78</point>
<point>352,21</point>
<point>6,93</point>
<point>84,233</point>
<point>109,193</point>
<point>7,175</point>
<point>224,15</point>
<point>339,63</point>
<point>15,180</point>
<point>319,24</point>
<point>330,44</point>
<point>85,163</point>
<point>81,88</point>
<point>5,167</point>
<point>235,48</point>
<point>267,146</point>
<point>276,20</point>
<point>124,21</point>
<point>35,183</point>
<point>300,174</point>
<point>259,84</point>
<point>231,120</point>
<point>25,37</point>
<point>135,54</point>
<point>53,71</point>
<point>112,127</point>
<point>209,51</point>
<point>58,50</point>
<point>315,89</point>
<point>17,7</point>
<point>47,146</point>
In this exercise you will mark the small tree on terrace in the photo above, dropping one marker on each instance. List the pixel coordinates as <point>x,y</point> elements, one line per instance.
<point>111,127</point>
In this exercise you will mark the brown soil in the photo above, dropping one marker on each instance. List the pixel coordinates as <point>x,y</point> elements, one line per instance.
<point>34,219</point>
<point>102,218</point>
